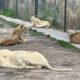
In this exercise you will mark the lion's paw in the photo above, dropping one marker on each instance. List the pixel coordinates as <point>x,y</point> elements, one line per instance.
<point>25,40</point>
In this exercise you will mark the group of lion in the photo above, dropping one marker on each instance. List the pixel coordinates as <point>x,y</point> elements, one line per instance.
<point>17,37</point>
<point>27,59</point>
<point>22,58</point>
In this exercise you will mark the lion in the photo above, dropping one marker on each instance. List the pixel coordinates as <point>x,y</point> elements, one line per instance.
<point>16,36</point>
<point>36,22</point>
<point>74,36</point>
<point>24,59</point>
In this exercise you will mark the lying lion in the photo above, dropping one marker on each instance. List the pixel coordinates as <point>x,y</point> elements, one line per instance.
<point>36,22</point>
<point>24,59</point>
<point>16,36</point>
<point>74,36</point>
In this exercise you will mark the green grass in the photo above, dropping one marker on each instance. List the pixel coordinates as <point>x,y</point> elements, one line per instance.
<point>68,45</point>
<point>35,33</point>
<point>61,43</point>
<point>65,44</point>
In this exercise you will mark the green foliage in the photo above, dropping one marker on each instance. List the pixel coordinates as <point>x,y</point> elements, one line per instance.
<point>9,12</point>
<point>46,13</point>
<point>1,11</point>
<point>12,13</point>
<point>25,17</point>
<point>56,23</point>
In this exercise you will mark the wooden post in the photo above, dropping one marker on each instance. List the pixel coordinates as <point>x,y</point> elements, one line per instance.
<point>65,11</point>
<point>36,8</point>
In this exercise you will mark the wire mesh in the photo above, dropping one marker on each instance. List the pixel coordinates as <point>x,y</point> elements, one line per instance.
<point>51,10</point>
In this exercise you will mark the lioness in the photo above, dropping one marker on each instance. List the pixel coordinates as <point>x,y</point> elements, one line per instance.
<point>16,36</point>
<point>74,36</point>
<point>36,22</point>
<point>24,59</point>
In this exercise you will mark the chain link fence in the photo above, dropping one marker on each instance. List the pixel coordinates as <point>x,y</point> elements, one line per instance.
<point>52,10</point>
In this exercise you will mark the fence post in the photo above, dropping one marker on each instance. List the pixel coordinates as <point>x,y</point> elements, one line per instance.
<point>65,11</point>
<point>16,8</point>
<point>36,8</point>
<point>55,10</point>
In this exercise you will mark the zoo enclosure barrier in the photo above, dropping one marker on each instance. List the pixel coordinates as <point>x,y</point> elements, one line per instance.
<point>63,14</point>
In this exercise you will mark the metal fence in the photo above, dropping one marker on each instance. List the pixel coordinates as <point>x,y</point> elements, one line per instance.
<point>63,14</point>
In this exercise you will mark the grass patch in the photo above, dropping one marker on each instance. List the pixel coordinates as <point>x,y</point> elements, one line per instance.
<point>65,44</point>
<point>62,43</point>
<point>4,23</point>
<point>35,33</point>
<point>11,24</point>
<point>68,45</point>
<point>1,24</point>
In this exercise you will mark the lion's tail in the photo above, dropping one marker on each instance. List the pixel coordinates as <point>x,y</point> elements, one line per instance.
<point>55,69</point>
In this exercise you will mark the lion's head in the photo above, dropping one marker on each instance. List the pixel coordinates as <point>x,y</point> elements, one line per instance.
<point>35,21</point>
<point>32,18</point>
<point>20,29</point>
<point>23,28</point>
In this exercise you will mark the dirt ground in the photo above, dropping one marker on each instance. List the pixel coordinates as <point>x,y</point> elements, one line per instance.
<point>57,56</point>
